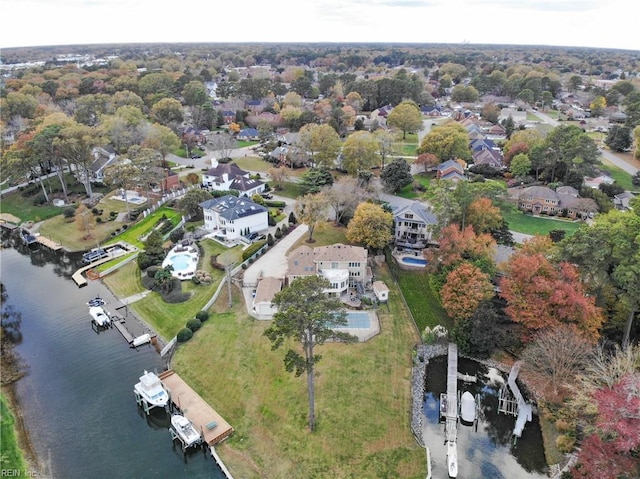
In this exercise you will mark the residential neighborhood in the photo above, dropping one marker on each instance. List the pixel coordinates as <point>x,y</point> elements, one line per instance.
<point>355,215</point>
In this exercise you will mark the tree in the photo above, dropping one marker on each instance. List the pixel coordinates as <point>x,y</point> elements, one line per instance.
<point>190,203</point>
<point>483,216</point>
<point>167,112</point>
<point>484,332</point>
<point>458,245</point>
<point>406,117</point>
<point>321,142</point>
<point>315,179</point>
<point>85,221</point>
<point>618,138</point>
<point>163,279</point>
<point>386,144</point>
<point>541,295</point>
<point>161,139</point>
<point>308,315</point>
<point>556,356</point>
<point>427,161</point>
<point>278,176</point>
<point>223,144</point>
<point>465,288</point>
<point>76,142</point>
<point>447,141</point>
<point>520,165</point>
<point>371,226</point>
<point>310,209</point>
<point>360,152</point>
<point>608,255</point>
<point>598,106</point>
<point>344,196</point>
<point>153,253</point>
<point>396,175</point>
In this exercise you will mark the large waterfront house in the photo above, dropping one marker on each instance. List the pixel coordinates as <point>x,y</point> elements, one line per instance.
<point>344,266</point>
<point>413,225</point>
<point>230,217</point>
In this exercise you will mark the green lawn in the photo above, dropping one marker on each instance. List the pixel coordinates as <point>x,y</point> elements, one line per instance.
<point>290,190</point>
<point>253,163</point>
<point>243,144</point>
<point>363,396</point>
<point>623,179</point>
<point>536,225</point>
<point>422,301</point>
<point>167,319</point>
<point>133,234</point>
<point>12,456</point>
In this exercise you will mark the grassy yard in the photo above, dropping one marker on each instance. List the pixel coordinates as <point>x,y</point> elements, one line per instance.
<point>12,457</point>
<point>623,179</point>
<point>536,225</point>
<point>290,190</point>
<point>422,302</point>
<point>362,398</point>
<point>253,163</point>
<point>167,319</point>
<point>243,144</point>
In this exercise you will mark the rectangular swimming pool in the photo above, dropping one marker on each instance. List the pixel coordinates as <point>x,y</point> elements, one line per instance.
<point>357,320</point>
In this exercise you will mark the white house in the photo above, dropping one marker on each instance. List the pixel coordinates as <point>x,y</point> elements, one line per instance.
<point>231,217</point>
<point>266,290</point>
<point>343,265</point>
<point>229,176</point>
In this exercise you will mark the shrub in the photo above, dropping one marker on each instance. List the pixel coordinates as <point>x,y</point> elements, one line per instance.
<point>176,296</point>
<point>194,324</point>
<point>39,200</point>
<point>270,240</point>
<point>275,204</point>
<point>292,218</point>
<point>152,270</point>
<point>271,221</point>
<point>68,212</point>
<point>285,229</point>
<point>252,249</point>
<point>176,235</point>
<point>202,316</point>
<point>184,335</point>
<point>99,219</point>
<point>565,443</point>
<point>278,233</point>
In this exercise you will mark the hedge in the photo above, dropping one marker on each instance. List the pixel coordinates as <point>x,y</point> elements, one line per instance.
<point>252,249</point>
<point>184,335</point>
<point>275,204</point>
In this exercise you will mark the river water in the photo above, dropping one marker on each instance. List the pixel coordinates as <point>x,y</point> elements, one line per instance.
<point>77,398</point>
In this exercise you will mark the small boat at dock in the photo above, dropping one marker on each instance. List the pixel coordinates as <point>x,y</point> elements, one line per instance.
<point>452,459</point>
<point>467,408</point>
<point>184,430</point>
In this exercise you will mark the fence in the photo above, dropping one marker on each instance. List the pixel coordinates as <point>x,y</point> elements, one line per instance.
<point>170,196</point>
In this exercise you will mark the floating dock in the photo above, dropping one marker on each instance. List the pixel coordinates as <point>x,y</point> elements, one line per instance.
<point>49,243</point>
<point>213,427</point>
<point>511,401</point>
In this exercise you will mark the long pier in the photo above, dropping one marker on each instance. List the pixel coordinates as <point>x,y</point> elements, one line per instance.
<point>524,409</point>
<point>449,410</point>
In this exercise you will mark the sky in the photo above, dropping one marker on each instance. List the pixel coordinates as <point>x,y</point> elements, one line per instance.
<point>582,23</point>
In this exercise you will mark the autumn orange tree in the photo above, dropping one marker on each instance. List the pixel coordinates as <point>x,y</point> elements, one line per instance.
<point>483,216</point>
<point>541,295</point>
<point>456,245</point>
<point>465,288</point>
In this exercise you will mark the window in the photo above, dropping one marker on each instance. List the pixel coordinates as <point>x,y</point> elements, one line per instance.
<point>408,215</point>
<point>354,265</point>
<point>334,265</point>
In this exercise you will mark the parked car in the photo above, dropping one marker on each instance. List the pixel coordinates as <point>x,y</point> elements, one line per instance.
<point>266,196</point>
<point>195,156</point>
<point>252,236</point>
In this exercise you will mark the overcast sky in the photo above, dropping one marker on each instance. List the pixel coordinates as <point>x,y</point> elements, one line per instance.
<point>588,23</point>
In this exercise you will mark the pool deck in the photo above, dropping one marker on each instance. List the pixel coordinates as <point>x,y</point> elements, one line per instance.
<point>364,334</point>
<point>190,270</point>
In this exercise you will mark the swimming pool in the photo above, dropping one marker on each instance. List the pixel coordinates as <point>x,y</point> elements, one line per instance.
<point>182,261</point>
<point>357,320</point>
<point>413,261</point>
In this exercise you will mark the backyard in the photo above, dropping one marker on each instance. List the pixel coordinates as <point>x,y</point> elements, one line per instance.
<point>362,395</point>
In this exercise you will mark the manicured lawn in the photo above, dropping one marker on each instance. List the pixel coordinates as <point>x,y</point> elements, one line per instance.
<point>252,163</point>
<point>243,144</point>
<point>133,234</point>
<point>535,225</point>
<point>422,302</point>
<point>167,319</point>
<point>12,457</point>
<point>363,398</point>
<point>325,233</point>
<point>290,190</point>
<point>23,208</point>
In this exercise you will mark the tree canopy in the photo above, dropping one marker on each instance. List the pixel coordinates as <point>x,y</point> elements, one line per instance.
<point>371,226</point>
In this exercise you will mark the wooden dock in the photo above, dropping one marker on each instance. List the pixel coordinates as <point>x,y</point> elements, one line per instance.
<point>524,409</point>
<point>119,325</point>
<point>213,427</point>
<point>52,245</point>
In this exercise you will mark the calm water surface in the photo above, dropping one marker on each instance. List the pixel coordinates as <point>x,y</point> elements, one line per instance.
<point>77,398</point>
<point>486,451</point>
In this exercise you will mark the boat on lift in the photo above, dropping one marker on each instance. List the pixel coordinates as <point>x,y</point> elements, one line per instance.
<point>184,430</point>
<point>150,392</point>
<point>99,316</point>
<point>467,408</point>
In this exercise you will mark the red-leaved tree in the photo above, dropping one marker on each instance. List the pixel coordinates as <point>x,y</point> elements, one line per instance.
<point>541,295</point>
<point>457,245</point>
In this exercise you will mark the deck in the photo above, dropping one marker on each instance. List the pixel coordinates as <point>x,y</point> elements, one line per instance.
<point>49,243</point>
<point>199,412</point>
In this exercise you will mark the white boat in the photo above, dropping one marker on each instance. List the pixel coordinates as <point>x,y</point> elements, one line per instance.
<point>428,464</point>
<point>150,391</point>
<point>184,430</point>
<point>140,340</point>
<point>452,459</point>
<point>99,316</point>
<point>467,407</point>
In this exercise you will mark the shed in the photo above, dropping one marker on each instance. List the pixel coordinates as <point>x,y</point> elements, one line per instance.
<point>381,291</point>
